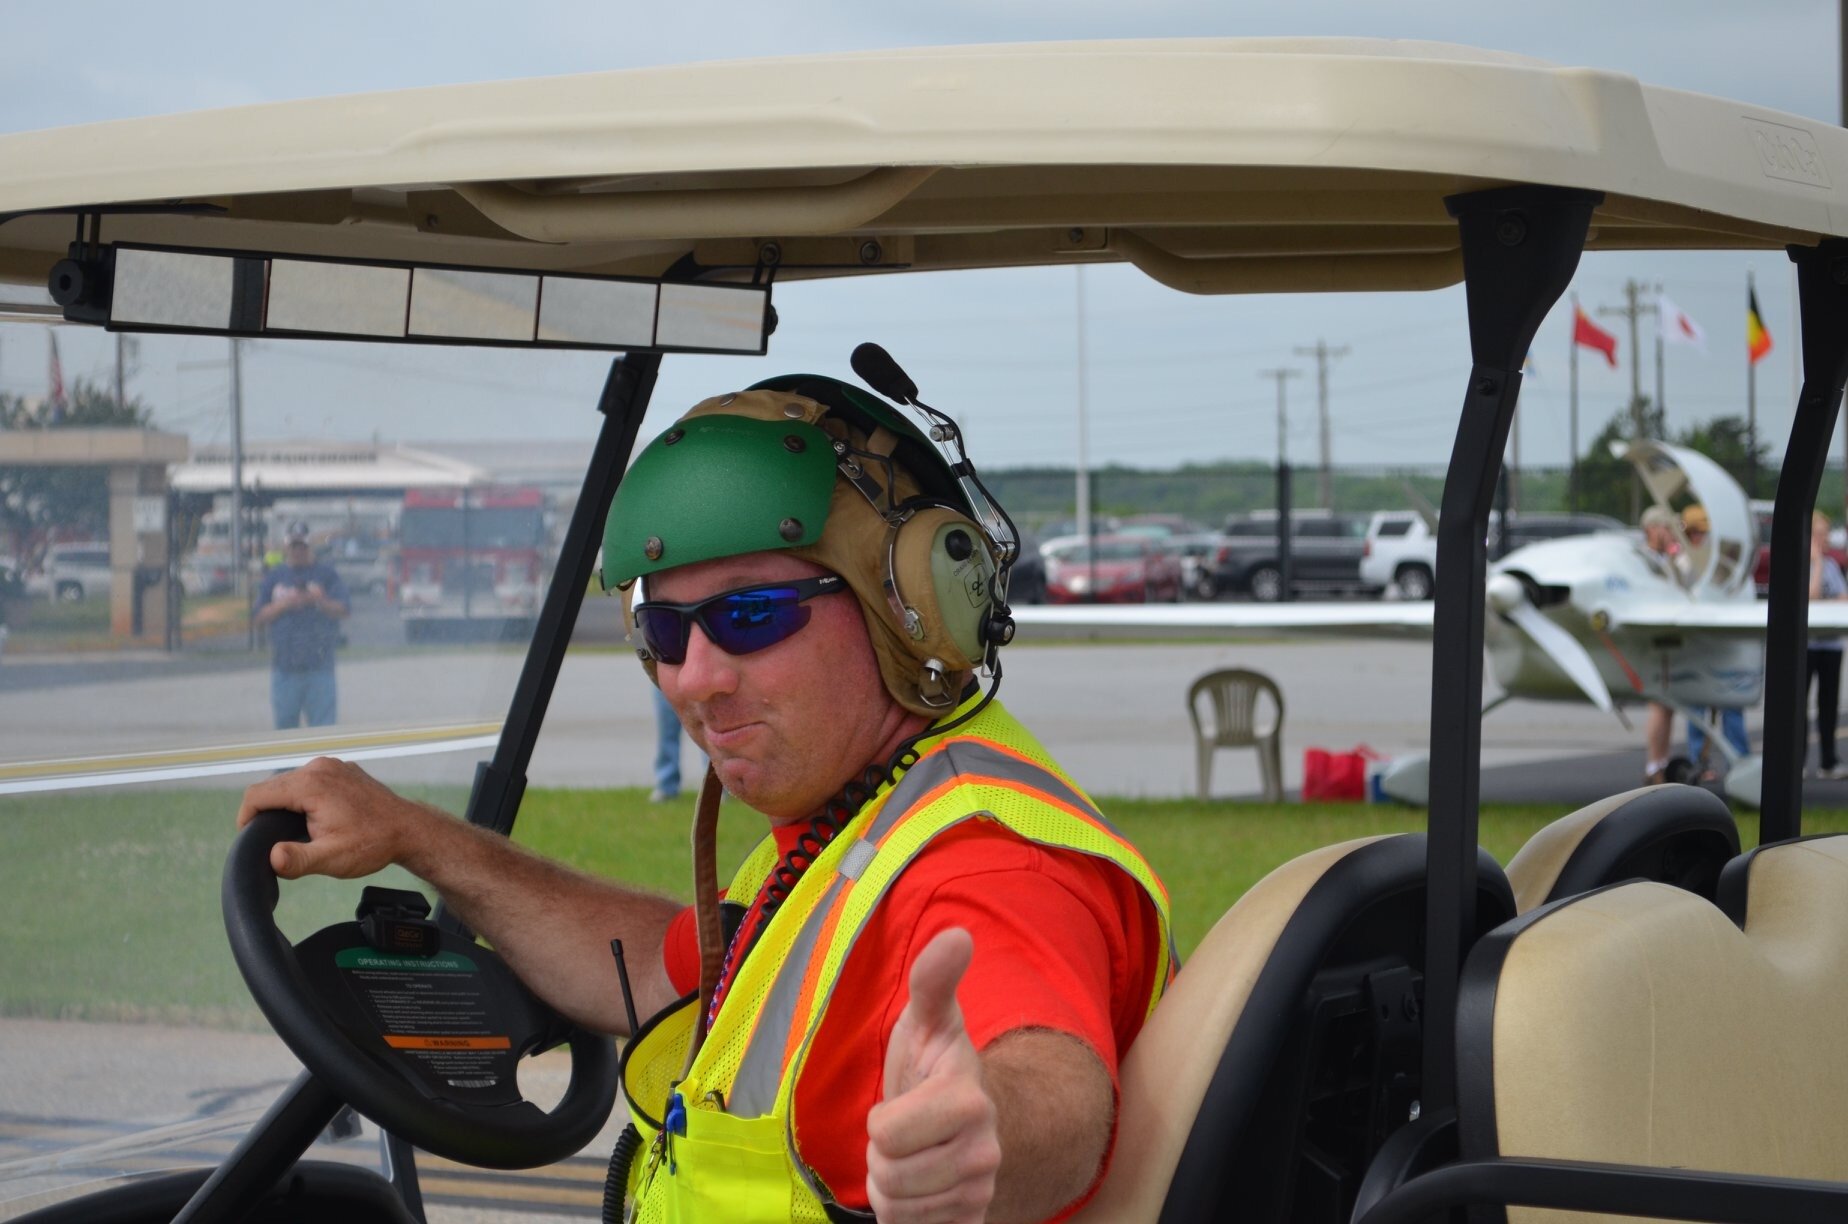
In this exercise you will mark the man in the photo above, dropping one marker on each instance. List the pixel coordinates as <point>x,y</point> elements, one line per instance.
<point>302,603</point>
<point>936,958</point>
<point>1696,526</point>
<point>1825,654</point>
<point>1659,538</point>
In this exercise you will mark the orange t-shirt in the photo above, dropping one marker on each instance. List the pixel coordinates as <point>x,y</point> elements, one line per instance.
<point>1063,941</point>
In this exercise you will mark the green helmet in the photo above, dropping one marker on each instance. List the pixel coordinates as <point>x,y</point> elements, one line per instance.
<point>748,472</point>
<point>718,486</point>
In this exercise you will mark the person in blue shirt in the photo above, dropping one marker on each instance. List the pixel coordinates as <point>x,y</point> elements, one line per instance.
<point>301,603</point>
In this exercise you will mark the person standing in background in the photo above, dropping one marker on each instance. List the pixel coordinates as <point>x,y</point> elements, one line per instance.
<point>1825,654</point>
<point>1659,538</point>
<point>667,751</point>
<point>1696,526</point>
<point>301,603</point>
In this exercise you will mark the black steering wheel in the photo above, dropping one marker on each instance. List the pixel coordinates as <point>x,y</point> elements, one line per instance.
<point>423,1043</point>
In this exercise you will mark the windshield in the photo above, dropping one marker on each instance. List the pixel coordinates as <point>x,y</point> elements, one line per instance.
<point>138,701</point>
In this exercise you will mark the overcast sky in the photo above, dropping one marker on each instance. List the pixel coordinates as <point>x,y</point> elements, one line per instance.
<point>1171,377</point>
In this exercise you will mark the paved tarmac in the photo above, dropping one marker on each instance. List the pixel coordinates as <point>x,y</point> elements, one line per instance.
<point>1114,712</point>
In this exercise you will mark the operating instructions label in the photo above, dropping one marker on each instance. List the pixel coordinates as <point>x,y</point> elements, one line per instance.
<point>437,1013</point>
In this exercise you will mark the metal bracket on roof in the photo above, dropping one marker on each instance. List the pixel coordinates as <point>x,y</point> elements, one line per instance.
<point>721,212</point>
<point>1286,273</point>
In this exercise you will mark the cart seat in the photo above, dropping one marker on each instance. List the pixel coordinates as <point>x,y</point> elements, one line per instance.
<point>1289,1046</point>
<point>1640,1025</point>
<point>1680,835</point>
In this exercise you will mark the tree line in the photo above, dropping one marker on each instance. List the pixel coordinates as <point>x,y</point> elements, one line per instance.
<point>1209,492</point>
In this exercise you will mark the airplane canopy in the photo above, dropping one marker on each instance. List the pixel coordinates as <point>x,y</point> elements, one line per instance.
<point>1214,165</point>
<point>1677,477</point>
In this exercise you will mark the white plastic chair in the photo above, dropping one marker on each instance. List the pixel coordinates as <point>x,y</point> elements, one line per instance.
<point>1233,720</point>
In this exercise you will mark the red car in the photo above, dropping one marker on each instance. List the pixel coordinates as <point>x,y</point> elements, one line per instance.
<point>1116,569</point>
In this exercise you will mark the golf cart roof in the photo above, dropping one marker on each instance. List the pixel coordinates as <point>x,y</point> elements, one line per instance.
<point>1215,165</point>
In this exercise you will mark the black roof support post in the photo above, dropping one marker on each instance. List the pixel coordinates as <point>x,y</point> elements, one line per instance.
<point>500,784</point>
<point>1520,247</point>
<point>1822,291</point>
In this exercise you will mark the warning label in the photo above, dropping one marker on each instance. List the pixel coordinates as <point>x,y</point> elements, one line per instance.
<point>435,1012</point>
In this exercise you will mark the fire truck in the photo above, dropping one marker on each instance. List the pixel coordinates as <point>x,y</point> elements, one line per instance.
<point>471,560</point>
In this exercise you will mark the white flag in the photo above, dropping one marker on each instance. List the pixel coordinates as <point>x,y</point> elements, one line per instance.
<point>1678,327</point>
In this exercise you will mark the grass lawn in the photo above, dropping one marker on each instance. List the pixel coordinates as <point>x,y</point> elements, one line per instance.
<point>111,911</point>
<point>43,626</point>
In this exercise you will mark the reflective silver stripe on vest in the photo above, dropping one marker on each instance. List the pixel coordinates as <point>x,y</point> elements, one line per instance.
<point>761,1071</point>
<point>858,858</point>
<point>962,757</point>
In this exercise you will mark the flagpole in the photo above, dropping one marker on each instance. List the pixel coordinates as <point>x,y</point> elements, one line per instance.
<point>1661,401</point>
<point>1083,490</point>
<point>1572,354</point>
<point>1751,406</point>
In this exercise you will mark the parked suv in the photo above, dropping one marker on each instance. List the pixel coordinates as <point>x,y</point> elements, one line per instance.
<point>73,572</point>
<point>1402,550</point>
<point>1325,553</point>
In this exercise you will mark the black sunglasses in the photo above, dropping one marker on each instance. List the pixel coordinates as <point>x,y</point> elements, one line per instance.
<point>738,622</point>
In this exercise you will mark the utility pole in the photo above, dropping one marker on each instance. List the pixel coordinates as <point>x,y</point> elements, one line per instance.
<point>1283,417</point>
<point>241,571</point>
<point>120,398</point>
<point>1285,562</point>
<point>1323,353</point>
<point>1633,309</point>
<point>1084,463</point>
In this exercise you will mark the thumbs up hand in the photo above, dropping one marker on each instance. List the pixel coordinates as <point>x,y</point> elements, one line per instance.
<point>932,1147</point>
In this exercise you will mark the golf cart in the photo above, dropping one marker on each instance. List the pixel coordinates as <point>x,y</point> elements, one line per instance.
<point>1387,1030</point>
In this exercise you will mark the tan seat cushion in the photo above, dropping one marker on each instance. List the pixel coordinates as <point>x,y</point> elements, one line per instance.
<point>1629,823</point>
<point>1639,1025</point>
<point>1165,1074</point>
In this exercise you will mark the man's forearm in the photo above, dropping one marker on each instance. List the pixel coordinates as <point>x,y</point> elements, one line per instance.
<point>553,925</point>
<point>1053,1112</point>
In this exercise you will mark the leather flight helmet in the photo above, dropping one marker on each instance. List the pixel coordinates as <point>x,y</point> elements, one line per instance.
<point>833,474</point>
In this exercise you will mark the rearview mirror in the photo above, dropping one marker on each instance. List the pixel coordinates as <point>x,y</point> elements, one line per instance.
<point>135,288</point>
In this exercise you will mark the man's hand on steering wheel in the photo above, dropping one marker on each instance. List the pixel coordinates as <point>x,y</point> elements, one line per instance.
<point>358,825</point>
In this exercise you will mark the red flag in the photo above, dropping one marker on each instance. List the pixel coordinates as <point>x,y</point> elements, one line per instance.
<point>1589,334</point>
<point>55,400</point>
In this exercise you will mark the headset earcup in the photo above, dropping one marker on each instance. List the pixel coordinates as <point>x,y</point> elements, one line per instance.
<point>945,578</point>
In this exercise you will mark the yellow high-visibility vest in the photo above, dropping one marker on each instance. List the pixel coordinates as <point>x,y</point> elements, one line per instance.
<point>720,1144</point>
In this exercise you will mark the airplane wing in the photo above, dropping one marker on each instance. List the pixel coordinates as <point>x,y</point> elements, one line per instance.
<point>1358,618</point>
<point>1828,618</point>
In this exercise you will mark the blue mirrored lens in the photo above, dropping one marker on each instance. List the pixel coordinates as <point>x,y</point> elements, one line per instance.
<point>746,621</point>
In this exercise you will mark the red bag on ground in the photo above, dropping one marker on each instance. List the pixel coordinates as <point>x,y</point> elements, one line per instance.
<point>1336,776</point>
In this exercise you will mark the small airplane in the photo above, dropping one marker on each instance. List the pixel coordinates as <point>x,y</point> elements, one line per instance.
<point>1599,618</point>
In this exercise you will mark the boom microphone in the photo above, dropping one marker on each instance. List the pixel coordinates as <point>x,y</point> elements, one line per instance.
<point>883,374</point>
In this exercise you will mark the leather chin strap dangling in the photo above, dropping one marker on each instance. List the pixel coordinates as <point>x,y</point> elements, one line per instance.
<point>706,904</point>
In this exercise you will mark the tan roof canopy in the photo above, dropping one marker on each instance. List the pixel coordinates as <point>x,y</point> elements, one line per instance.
<point>1213,165</point>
